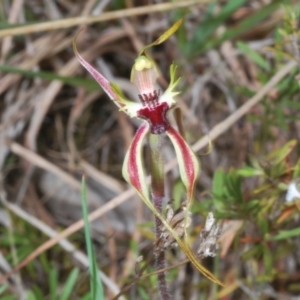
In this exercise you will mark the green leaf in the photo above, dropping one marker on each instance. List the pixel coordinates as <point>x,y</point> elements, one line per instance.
<point>144,295</point>
<point>278,155</point>
<point>178,192</point>
<point>208,27</point>
<point>289,103</point>
<point>296,172</point>
<point>263,224</point>
<point>37,293</point>
<point>268,259</point>
<point>69,285</point>
<point>249,172</point>
<point>53,283</point>
<point>3,288</point>
<point>252,252</point>
<point>9,297</point>
<point>30,296</point>
<point>87,296</point>
<point>285,234</point>
<point>254,56</point>
<point>243,26</point>
<point>218,183</point>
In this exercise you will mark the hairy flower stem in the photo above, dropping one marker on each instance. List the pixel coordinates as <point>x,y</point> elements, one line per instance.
<point>158,193</point>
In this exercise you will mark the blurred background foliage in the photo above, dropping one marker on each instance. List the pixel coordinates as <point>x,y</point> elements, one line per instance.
<point>57,124</point>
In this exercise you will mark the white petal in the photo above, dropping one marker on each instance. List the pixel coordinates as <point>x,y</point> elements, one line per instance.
<point>210,220</point>
<point>292,192</point>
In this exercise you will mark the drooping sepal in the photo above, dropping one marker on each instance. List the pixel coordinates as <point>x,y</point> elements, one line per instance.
<point>103,82</point>
<point>187,161</point>
<point>133,169</point>
<point>164,36</point>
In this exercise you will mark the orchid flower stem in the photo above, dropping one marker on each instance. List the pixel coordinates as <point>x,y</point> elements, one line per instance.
<point>158,193</point>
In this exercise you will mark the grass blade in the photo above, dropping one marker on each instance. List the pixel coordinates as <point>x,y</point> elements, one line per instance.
<point>53,276</point>
<point>69,285</point>
<point>254,56</point>
<point>96,284</point>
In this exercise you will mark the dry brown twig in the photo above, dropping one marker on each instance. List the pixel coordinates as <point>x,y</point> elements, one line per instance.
<point>13,16</point>
<point>219,129</point>
<point>70,22</point>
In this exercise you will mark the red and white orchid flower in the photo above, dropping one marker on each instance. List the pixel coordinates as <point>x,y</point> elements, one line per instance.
<point>152,109</point>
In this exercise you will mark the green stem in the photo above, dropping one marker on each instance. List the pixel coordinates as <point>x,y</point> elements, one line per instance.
<point>157,194</point>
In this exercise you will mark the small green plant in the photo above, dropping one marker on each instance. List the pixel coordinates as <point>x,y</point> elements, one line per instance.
<point>268,224</point>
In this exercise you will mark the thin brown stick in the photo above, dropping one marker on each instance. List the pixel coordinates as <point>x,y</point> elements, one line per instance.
<point>137,277</point>
<point>164,269</point>
<point>113,203</point>
<point>70,22</point>
<point>140,276</point>
<point>13,16</point>
<point>41,162</point>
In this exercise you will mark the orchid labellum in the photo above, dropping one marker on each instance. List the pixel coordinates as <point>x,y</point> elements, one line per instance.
<point>153,110</point>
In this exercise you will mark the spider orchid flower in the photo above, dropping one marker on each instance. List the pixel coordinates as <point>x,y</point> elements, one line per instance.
<point>152,109</point>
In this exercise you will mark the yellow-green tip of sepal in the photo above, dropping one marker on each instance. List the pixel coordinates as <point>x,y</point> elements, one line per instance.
<point>164,36</point>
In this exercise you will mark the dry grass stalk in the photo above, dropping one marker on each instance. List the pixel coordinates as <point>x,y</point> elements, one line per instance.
<point>67,23</point>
